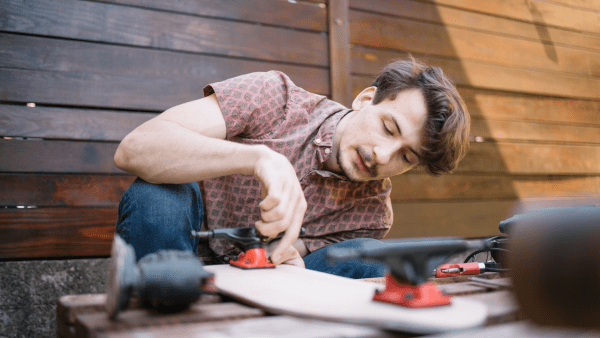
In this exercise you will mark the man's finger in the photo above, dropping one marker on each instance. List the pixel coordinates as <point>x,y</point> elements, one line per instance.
<point>292,233</point>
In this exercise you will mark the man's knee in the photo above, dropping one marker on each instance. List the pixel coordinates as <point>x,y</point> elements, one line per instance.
<point>159,216</point>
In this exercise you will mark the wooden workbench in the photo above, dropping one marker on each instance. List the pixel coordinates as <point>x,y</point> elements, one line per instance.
<point>218,316</point>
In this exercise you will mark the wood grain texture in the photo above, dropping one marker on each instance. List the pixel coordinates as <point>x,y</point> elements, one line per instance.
<point>68,124</point>
<point>300,15</point>
<point>492,105</point>
<point>56,232</point>
<point>324,296</point>
<point>540,12</point>
<point>94,324</point>
<point>486,76</point>
<point>531,158</point>
<point>534,131</point>
<point>148,28</point>
<point>62,190</point>
<point>485,22</point>
<point>269,326</point>
<point>472,219</point>
<point>339,51</point>
<point>386,32</point>
<point>421,187</point>
<point>53,71</point>
<point>57,157</point>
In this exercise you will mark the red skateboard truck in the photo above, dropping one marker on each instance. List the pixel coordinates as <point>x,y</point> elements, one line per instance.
<point>410,263</point>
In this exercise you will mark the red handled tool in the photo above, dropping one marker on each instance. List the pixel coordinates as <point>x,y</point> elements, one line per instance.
<point>253,254</point>
<point>474,268</point>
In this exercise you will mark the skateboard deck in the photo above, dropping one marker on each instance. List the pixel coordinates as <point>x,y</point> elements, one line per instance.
<point>290,290</point>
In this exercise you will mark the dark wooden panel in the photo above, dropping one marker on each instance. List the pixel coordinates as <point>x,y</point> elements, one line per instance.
<point>540,12</point>
<point>149,28</point>
<point>74,124</point>
<point>485,76</point>
<point>57,156</point>
<point>339,52</point>
<point>467,218</point>
<point>423,187</point>
<point>56,232</point>
<point>62,190</point>
<point>89,74</point>
<point>300,15</point>
<point>455,17</point>
<point>380,31</point>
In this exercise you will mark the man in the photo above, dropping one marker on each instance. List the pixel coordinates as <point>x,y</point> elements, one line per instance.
<point>271,155</point>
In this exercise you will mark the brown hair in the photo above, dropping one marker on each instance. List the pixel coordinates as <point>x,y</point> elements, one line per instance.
<point>446,130</point>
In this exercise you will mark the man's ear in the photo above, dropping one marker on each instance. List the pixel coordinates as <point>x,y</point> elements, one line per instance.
<point>365,97</point>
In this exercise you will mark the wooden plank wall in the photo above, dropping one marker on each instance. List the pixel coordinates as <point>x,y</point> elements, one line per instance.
<point>529,72</point>
<point>95,69</point>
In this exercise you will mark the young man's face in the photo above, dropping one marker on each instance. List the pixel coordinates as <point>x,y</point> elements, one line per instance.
<point>382,140</point>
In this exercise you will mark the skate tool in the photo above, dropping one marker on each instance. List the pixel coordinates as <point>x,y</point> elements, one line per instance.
<point>166,281</point>
<point>410,263</point>
<point>251,243</point>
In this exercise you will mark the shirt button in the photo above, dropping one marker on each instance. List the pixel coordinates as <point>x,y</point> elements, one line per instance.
<point>317,140</point>
<point>327,151</point>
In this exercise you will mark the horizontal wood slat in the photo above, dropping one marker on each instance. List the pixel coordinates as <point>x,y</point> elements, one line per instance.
<point>455,17</point>
<point>589,5</point>
<point>54,71</point>
<point>524,158</point>
<point>467,219</point>
<point>540,12</point>
<point>423,187</point>
<point>488,157</point>
<point>62,190</point>
<point>71,124</point>
<point>300,15</point>
<point>533,131</point>
<point>103,22</point>
<point>515,107</point>
<point>177,70</point>
<point>481,75</point>
<point>56,232</point>
<point>379,31</point>
<point>22,156</point>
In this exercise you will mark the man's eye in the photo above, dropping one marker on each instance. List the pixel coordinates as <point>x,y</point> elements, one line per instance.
<point>405,158</point>
<point>387,130</point>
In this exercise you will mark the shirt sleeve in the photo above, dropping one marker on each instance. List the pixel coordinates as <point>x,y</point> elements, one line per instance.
<point>253,105</point>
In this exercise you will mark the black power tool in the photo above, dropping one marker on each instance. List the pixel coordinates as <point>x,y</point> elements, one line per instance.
<point>166,281</point>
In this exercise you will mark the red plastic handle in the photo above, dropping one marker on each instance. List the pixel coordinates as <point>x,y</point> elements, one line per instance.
<point>453,270</point>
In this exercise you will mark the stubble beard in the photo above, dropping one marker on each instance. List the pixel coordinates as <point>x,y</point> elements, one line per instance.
<point>347,167</point>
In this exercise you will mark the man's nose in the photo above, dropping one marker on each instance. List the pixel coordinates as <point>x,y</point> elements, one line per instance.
<point>384,152</point>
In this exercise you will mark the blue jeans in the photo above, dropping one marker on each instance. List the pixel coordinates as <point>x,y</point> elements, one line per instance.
<point>154,217</point>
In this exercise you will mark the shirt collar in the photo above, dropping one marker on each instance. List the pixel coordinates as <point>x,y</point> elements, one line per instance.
<point>323,142</point>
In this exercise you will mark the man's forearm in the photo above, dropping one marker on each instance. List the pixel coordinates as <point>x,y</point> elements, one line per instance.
<point>165,152</point>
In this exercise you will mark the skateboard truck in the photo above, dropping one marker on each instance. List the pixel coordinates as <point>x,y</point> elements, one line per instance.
<point>253,254</point>
<point>166,281</point>
<point>410,263</point>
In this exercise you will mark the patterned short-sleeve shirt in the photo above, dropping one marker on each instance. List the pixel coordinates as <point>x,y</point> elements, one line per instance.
<point>269,109</point>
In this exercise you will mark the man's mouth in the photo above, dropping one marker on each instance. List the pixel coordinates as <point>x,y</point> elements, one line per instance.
<point>361,164</point>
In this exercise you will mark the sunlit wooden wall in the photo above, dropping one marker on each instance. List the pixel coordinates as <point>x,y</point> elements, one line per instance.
<point>95,69</point>
<point>529,72</point>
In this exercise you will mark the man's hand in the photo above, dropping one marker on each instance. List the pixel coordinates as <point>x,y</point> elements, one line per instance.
<point>292,255</point>
<point>283,205</point>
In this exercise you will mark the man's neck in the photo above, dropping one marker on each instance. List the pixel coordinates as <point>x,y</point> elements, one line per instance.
<point>332,164</point>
